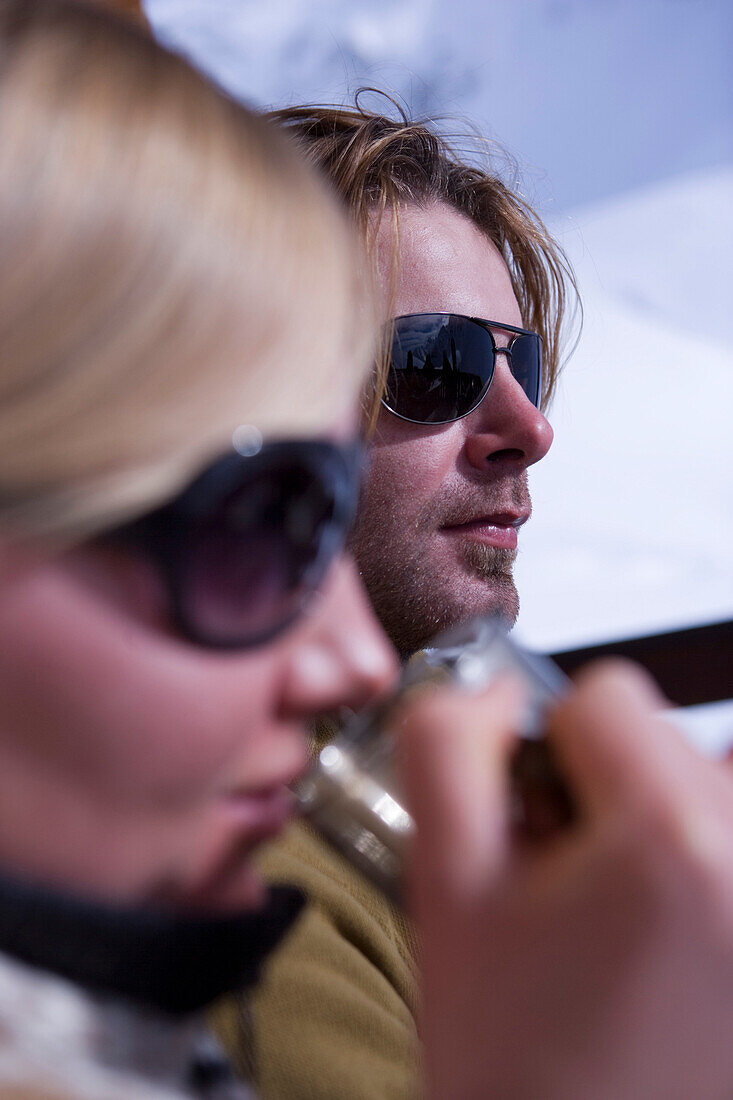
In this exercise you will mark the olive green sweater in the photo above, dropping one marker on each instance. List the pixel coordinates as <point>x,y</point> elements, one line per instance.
<point>334,1016</point>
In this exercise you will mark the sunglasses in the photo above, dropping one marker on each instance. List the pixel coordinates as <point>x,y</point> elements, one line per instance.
<point>442,365</point>
<point>245,545</point>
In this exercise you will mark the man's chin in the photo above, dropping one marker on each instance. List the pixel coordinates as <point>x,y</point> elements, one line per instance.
<point>491,584</point>
<point>430,593</point>
<point>496,595</point>
<point>503,601</point>
<point>418,625</point>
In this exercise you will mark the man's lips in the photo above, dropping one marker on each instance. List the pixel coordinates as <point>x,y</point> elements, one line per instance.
<point>498,529</point>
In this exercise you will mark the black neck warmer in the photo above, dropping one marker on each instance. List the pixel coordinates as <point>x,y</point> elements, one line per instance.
<point>174,963</point>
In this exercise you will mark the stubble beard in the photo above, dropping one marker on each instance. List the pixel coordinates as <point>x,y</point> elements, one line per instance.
<point>413,606</point>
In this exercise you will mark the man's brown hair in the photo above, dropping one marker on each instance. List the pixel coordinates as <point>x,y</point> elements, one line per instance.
<point>133,9</point>
<point>378,163</point>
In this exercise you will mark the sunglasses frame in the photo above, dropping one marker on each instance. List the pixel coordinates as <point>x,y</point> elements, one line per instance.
<point>160,535</point>
<point>488,326</point>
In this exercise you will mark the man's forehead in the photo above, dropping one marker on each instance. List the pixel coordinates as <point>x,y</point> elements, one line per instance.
<point>439,261</point>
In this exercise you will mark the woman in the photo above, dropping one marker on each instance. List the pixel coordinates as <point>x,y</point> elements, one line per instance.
<point>172,279</point>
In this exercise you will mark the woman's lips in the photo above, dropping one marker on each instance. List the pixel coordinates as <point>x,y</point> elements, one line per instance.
<point>259,814</point>
<point>243,821</point>
<point>498,531</point>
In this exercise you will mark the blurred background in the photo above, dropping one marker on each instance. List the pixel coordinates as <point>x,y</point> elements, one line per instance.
<point>618,117</point>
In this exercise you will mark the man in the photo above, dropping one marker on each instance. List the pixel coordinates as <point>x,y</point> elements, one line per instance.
<point>603,965</point>
<point>435,539</point>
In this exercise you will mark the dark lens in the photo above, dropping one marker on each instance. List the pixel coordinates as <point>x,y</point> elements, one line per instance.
<point>245,567</point>
<point>526,364</point>
<point>441,365</point>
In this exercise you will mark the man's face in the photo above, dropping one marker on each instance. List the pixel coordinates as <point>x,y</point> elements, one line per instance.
<point>436,534</point>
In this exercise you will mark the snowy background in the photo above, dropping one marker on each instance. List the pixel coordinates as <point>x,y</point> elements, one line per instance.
<point>619,115</point>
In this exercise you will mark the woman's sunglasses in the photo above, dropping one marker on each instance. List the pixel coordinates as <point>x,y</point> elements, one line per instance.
<point>250,539</point>
<point>442,365</point>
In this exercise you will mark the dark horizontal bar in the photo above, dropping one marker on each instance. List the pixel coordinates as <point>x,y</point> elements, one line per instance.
<point>691,666</point>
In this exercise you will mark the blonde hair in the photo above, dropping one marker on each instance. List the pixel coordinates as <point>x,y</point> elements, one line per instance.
<point>378,164</point>
<point>169,269</point>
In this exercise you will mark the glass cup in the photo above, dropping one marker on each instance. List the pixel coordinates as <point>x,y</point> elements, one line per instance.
<point>352,795</point>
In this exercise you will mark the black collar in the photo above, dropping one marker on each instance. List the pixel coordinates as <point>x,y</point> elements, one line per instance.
<point>174,963</point>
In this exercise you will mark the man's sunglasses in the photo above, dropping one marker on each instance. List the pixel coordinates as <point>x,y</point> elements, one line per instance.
<point>250,539</point>
<point>442,365</point>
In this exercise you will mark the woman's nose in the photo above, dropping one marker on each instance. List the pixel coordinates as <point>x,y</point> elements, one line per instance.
<point>340,656</point>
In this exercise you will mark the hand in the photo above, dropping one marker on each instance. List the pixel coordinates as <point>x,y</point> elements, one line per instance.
<point>601,966</point>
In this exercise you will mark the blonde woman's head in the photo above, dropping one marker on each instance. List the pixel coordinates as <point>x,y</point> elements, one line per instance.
<point>169,269</point>
<point>169,272</point>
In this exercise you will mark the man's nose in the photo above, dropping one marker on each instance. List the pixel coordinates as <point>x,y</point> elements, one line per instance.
<point>506,425</point>
<point>340,655</point>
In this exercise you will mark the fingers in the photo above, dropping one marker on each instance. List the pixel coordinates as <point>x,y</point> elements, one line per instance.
<point>615,748</point>
<point>454,749</point>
